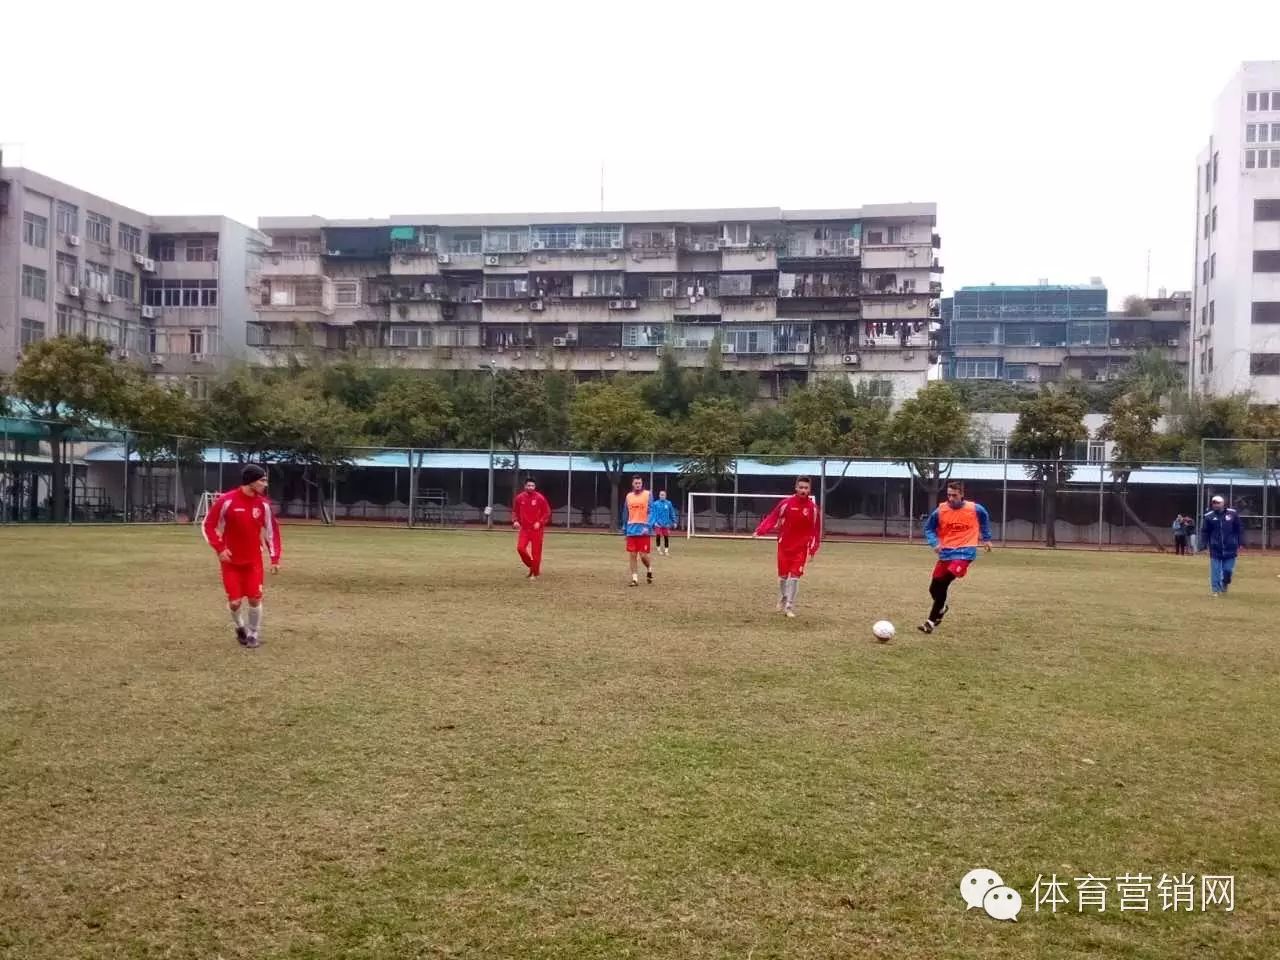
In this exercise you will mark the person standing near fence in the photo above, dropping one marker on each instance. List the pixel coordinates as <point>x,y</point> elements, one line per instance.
<point>238,525</point>
<point>530,515</point>
<point>953,532</point>
<point>637,522</point>
<point>665,519</point>
<point>1222,534</point>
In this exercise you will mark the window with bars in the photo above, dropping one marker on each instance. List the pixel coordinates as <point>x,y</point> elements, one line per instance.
<point>410,337</point>
<point>602,237</point>
<point>181,293</point>
<point>606,285</point>
<point>68,269</point>
<point>998,450</point>
<point>554,238</point>
<point>163,249</point>
<point>463,243</point>
<point>67,217</point>
<point>30,331</point>
<point>662,288</point>
<point>737,234</point>
<point>506,288</point>
<point>123,285</point>
<point>97,277</point>
<point>506,241</point>
<point>201,249</point>
<point>977,369</point>
<point>129,238</point>
<point>35,283</point>
<point>346,293</point>
<point>98,228</point>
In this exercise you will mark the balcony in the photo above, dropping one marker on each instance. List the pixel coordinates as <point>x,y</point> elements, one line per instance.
<point>753,257</point>
<point>289,300</point>
<point>275,264</point>
<point>804,246</point>
<point>914,257</point>
<point>416,263</point>
<point>578,260</point>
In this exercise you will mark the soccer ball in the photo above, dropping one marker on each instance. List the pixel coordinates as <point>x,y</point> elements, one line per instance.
<point>883,630</point>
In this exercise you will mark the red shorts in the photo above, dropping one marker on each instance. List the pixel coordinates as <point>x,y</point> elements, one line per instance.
<point>242,580</point>
<point>957,568</point>
<point>662,531</point>
<point>638,544</point>
<point>791,562</point>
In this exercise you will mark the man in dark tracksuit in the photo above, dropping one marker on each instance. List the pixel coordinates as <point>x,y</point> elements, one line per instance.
<point>1222,534</point>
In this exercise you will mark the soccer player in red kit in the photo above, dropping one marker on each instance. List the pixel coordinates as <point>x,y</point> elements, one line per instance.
<point>239,523</point>
<point>530,515</point>
<point>798,540</point>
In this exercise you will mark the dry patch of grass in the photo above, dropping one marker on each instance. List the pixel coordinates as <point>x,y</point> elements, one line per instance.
<point>432,758</point>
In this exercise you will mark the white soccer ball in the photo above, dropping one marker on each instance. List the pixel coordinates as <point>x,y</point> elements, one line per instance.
<point>883,630</point>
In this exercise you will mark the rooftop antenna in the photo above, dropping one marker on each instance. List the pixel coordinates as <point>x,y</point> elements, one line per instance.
<point>1146,291</point>
<point>602,186</point>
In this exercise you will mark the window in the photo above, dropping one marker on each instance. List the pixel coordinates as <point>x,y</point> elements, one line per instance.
<point>1208,361</point>
<point>638,335</point>
<point>1205,272</point>
<point>1204,316</point>
<point>882,389</point>
<point>98,228</point>
<point>34,283</point>
<point>1250,159</point>
<point>410,337</point>
<point>506,241</point>
<point>1275,133</point>
<point>607,237</point>
<point>64,320</point>
<point>153,340</point>
<point>1262,159</point>
<point>1015,371</point>
<point>1089,333</point>
<point>1211,305</point>
<point>188,293</point>
<point>977,369</point>
<point>1251,102</point>
<point>31,331</point>
<point>35,230</point>
<point>1266,209</point>
<point>461,243</point>
<point>662,288</point>
<point>743,341</point>
<point>606,285</point>
<point>1266,261</point>
<point>129,238</point>
<point>737,234</point>
<point>1266,311</point>
<point>975,333</point>
<point>999,450</point>
<point>123,286</point>
<point>1260,364</point>
<point>97,277</point>
<point>1213,265</point>
<point>68,270</point>
<point>1208,169</point>
<point>1206,226</point>
<point>195,340</point>
<point>1215,168</point>
<point>1215,218</point>
<point>735,285</point>
<point>68,215</point>
<point>554,238</point>
<point>506,288</point>
<point>1251,132</point>
<point>1275,159</point>
<point>346,293</point>
<point>163,249</point>
<point>1262,100</point>
<point>201,249</point>
<point>1097,451</point>
<point>876,237</point>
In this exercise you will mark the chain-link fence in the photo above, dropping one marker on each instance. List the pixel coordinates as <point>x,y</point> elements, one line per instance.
<point>117,477</point>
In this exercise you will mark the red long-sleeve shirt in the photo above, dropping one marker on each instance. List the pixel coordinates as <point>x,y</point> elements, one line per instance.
<point>243,523</point>
<point>798,518</point>
<point>530,508</point>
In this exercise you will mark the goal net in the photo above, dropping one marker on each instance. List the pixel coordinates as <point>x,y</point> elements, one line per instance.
<point>727,514</point>
<point>204,506</point>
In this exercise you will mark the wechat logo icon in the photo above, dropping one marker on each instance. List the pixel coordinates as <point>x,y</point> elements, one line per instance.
<point>984,888</point>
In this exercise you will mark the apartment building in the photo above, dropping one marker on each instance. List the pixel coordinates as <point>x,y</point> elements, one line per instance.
<point>170,292</point>
<point>1043,332</point>
<point>786,294</point>
<point>1236,306</point>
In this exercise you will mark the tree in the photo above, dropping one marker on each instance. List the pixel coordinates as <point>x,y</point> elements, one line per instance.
<point>553,433</point>
<point>165,424</point>
<point>769,432</point>
<point>670,391</point>
<point>832,418</point>
<point>238,412</point>
<point>711,439</point>
<point>414,412</point>
<point>68,382</point>
<point>1048,427</point>
<point>1136,306</point>
<point>1153,374</point>
<point>609,419</point>
<point>1131,426</point>
<point>312,431</point>
<point>519,411</point>
<point>928,433</point>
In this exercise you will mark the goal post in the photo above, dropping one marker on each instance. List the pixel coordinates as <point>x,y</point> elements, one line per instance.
<point>204,506</point>
<point>727,515</point>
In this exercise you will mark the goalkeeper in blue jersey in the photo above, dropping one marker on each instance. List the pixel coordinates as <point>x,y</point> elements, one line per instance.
<point>665,519</point>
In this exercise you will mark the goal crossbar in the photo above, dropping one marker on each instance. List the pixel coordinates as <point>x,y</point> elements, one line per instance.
<point>739,521</point>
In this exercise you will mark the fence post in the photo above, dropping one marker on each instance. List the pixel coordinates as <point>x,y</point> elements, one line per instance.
<point>1266,524</point>
<point>333,483</point>
<point>222,460</point>
<point>126,476</point>
<point>822,500</point>
<point>568,497</point>
<point>911,505</point>
<point>71,493</point>
<point>1101,497</point>
<point>1004,505</point>
<point>413,488</point>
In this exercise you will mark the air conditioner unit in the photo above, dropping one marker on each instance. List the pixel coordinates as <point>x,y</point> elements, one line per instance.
<point>538,245</point>
<point>630,304</point>
<point>1115,341</point>
<point>1173,342</point>
<point>139,259</point>
<point>148,265</point>
<point>659,350</point>
<point>727,347</point>
<point>157,360</point>
<point>108,298</point>
<point>150,313</point>
<point>669,290</point>
<point>802,348</point>
<point>73,240</point>
<point>442,258</point>
<point>615,245</point>
<point>850,358</point>
<point>491,261</point>
<point>615,304</point>
<point>536,305</point>
<point>73,290</point>
<point>559,342</point>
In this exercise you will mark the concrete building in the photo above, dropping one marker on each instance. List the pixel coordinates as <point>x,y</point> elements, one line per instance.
<point>1039,333</point>
<point>171,293</point>
<point>1236,306</point>
<point>789,293</point>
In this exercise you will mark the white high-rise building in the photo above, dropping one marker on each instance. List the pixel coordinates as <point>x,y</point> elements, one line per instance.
<point>1236,308</point>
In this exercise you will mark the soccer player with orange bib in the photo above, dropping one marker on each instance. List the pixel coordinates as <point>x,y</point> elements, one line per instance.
<point>798,540</point>
<point>637,524</point>
<point>953,532</point>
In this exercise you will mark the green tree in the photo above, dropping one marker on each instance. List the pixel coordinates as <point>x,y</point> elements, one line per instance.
<point>1131,427</point>
<point>770,432</point>
<point>413,412</point>
<point>554,431</point>
<point>609,419</point>
<point>832,418</point>
<point>519,415</point>
<point>68,382</point>
<point>313,431</point>
<point>1154,375</point>
<point>670,391</point>
<point>928,433</point>
<point>1136,306</point>
<point>166,425</point>
<point>711,439</point>
<point>1049,426</point>
<point>238,412</point>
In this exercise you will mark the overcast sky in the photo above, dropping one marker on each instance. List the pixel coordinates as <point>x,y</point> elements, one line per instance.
<point>1059,140</point>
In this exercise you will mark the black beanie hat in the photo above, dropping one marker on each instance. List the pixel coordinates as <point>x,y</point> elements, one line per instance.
<point>250,473</point>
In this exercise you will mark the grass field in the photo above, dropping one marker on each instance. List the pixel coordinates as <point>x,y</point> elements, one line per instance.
<point>431,757</point>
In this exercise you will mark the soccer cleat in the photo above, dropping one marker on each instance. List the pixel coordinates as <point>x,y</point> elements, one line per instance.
<point>253,643</point>
<point>242,636</point>
<point>648,576</point>
<point>635,582</point>
<point>927,626</point>
<point>791,614</point>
